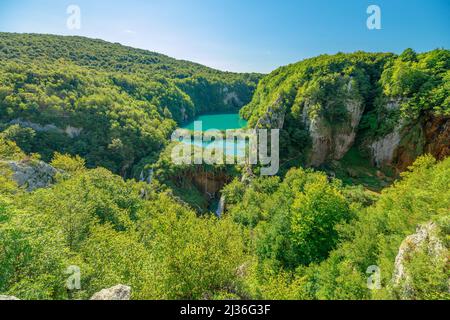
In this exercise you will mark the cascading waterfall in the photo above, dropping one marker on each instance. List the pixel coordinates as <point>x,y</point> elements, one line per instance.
<point>220,206</point>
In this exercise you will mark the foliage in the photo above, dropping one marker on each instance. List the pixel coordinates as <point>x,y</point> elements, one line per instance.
<point>93,108</point>
<point>115,106</point>
<point>422,80</point>
<point>294,220</point>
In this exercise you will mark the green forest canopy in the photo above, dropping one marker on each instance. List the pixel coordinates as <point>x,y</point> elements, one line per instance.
<point>126,101</point>
<point>302,235</point>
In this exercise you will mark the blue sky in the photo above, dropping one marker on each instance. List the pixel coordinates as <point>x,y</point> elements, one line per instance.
<point>241,35</point>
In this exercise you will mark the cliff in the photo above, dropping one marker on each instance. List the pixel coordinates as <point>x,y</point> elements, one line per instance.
<point>391,108</point>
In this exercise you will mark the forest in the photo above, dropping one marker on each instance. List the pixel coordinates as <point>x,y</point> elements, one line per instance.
<point>82,119</point>
<point>121,103</point>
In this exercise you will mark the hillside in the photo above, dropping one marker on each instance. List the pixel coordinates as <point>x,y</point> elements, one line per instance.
<point>301,237</point>
<point>363,191</point>
<point>111,104</point>
<point>389,108</point>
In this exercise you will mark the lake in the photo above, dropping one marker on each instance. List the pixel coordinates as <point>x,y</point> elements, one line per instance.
<point>225,121</point>
<point>219,121</point>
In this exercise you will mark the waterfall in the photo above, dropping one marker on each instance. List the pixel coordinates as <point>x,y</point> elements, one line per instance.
<point>220,206</point>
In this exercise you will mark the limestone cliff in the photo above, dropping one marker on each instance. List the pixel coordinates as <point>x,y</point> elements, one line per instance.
<point>31,174</point>
<point>426,240</point>
<point>274,117</point>
<point>410,139</point>
<point>332,141</point>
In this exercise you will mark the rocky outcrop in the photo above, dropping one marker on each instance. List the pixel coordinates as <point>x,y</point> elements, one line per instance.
<point>72,132</point>
<point>437,136</point>
<point>3,298</point>
<point>383,149</point>
<point>400,148</point>
<point>210,183</point>
<point>424,240</point>
<point>274,118</point>
<point>119,292</point>
<point>35,126</point>
<point>231,98</point>
<point>332,141</point>
<point>32,174</point>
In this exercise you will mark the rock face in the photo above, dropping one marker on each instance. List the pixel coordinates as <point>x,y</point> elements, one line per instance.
<point>400,148</point>
<point>425,239</point>
<point>119,292</point>
<point>329,141</point>
<point>275,116</point>
<point>72,132</point>
<point>437,136</point>
<point>32,175</point>
<point>210,183</point>
<point>383,149</point>
<point>35,126</point>
<point>3,298</point>
<point>233,99</point>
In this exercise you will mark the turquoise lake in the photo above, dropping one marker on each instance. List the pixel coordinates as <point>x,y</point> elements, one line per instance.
<point>219,122</point>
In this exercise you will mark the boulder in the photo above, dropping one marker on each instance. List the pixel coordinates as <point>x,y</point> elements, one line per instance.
<point>31,174</point>
<point>425,239</point>
<point>3,298</point>
<point>119,292</point>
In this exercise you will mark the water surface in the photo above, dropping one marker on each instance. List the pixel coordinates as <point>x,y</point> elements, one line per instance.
<point>223,121</point>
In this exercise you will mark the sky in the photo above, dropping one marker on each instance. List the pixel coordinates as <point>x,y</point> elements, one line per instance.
<point>241,35</point>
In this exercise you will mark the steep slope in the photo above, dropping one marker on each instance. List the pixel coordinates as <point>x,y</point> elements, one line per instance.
<point>113,105</point>
<point>392,108</point>
<point>396,241</point>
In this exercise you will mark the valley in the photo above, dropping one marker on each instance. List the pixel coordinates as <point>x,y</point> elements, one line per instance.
<point>87,178</point>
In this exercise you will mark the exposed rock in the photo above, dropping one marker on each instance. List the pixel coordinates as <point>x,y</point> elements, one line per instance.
<point>425,239</point>
<point>31,174</point>
<point>247,175</point>
<point>184,114</point>
<point>275,116</point>
<point>345,136</point>
<point>383,149</point>
<point>3,298</point>
<point>119,292</point>
<point>380,174</point>
<point>36,126</point>
<point>210,183</point>
<point>393,104</point>
<point>332,142</point>
<point>232,98</point>
<point>242,270</point>
<point>401,147</point>
<point>437,136</point>
<point>72,131</point>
